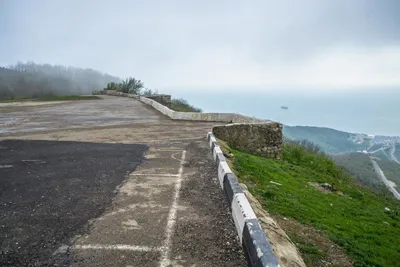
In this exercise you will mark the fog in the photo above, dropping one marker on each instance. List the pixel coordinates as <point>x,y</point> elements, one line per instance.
<point>27,80</point>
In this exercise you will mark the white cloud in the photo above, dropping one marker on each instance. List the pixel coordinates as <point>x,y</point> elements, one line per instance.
<point>337,68</point>
<point>321,44</point>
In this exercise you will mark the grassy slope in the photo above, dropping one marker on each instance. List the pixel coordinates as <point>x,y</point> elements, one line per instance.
<point>52,98</point>
<point>356,221</point>
<point>330,140</point>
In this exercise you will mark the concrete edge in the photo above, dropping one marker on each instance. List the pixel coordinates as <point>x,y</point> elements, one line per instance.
<point>256,246</point>
<point>197,116</point>
<point>189,116</point>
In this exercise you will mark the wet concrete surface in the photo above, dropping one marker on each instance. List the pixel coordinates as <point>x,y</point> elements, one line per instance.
<point>168,211</point>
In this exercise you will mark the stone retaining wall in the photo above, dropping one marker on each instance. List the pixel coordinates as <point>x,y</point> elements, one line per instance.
<point>115,93</point>
<point>261,139</point>
<point>162,99</point>
<point>189,116</point>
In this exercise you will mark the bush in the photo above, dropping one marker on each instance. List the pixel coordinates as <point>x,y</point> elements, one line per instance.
<point>179,104</point>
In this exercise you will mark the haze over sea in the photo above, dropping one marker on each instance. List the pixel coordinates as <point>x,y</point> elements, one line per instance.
<point>364,111</point>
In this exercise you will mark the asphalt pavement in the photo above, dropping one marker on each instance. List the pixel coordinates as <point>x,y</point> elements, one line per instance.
<point>110,183</point>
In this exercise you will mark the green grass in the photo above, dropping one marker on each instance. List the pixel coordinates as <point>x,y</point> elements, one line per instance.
<point>356,221</point>
<point>183,106</point>
<point>51,98</point>
<point>310,252</point>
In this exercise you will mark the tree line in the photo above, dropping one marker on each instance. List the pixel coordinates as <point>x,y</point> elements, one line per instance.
<point>31,80</point>
<point>130,85</point>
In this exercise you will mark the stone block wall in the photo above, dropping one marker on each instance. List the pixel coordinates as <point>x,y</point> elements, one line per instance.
<point>261,139</point>
<point>162,99</point>
<point>114,93</point>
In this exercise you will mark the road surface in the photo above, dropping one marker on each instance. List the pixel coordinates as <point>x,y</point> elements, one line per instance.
<point>109,182</point>
<point>387,182</point>
<point>392,151</point>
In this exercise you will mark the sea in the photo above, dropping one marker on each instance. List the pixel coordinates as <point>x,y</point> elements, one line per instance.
<point>372,111</point>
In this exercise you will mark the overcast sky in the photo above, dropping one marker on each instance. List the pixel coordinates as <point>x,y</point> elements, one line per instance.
<point>348,44</point>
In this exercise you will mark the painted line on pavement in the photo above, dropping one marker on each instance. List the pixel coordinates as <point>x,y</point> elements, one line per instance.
<point>117,247</point>
<point>155,174</point>
<point>166,248</point>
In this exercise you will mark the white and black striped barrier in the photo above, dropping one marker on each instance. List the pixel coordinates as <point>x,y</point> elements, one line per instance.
<point>256,246</point>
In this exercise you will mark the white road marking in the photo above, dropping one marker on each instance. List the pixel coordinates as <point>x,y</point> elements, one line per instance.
<point>117,247</point>
<point>155,174</point>
<point>173,156</point>
<point>165,149</point>
<point>166,248</point>
<point>5,166</point>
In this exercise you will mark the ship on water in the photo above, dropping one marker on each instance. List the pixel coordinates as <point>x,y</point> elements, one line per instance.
<point>284,107</point>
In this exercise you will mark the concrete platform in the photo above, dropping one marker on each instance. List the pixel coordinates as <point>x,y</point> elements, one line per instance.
<point>156,201</point>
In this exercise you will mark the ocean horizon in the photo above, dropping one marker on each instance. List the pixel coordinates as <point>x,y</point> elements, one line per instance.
<point>372,112</point>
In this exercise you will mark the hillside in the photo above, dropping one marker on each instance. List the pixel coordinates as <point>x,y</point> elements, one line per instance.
<point>391,170</point>
<point>30,80</point>
<point>333,220</point>
<point>329,140</point>
<point>359,165</point>
<point>382,154</point>
<point>397,152</point>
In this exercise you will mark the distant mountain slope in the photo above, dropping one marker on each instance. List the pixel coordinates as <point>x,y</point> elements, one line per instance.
<point>382,154</point>
<point>397,152</point>
<point>391,170</point>
<point>345,150</point>
<point>359,165</point>
<point>330,140</point>
<point>36,80</point>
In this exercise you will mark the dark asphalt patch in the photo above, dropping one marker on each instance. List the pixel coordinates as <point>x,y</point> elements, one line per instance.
<point>52,191</point>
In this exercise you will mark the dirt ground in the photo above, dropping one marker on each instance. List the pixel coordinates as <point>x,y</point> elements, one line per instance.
<point>166,211</point>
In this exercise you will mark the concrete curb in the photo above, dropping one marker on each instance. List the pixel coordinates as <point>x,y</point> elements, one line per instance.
<point>196,116</point>
<point>255,244</point>
<point>189,116</point>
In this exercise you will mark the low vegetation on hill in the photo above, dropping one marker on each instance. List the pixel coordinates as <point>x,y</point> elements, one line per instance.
<point>183,106</point>
<point>325,206</point>
<point>359,165</point>
<point>382,154</point>
<point>330,140</point>
<point>134,86</point>
<point>397,152</point>
<point>391,170</point>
